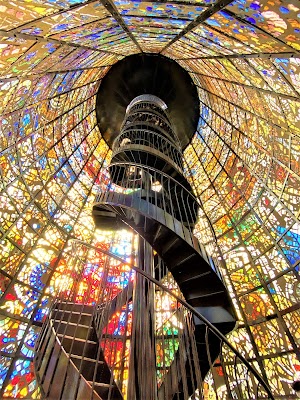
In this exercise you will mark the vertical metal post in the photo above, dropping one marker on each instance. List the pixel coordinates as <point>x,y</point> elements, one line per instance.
<point>142,365</point>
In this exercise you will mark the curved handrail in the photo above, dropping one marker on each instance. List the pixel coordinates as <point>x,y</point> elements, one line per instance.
<point>148,98</point>
<point>138,135</point>
<point>198,315</point>
<point>148,111</point>
<point>146,125</point>
<point>141,147</point>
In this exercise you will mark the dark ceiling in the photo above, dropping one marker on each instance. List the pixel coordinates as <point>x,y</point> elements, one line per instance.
<point>148,74</point>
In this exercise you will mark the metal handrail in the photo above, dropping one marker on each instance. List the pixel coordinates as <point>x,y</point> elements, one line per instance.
<point>138,135</point>
<point>164,175</point>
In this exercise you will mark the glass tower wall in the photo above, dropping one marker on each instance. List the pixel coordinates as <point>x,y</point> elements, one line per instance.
<point>243,161</point>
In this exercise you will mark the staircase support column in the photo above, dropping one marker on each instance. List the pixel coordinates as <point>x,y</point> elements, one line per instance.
<point>142,365</point>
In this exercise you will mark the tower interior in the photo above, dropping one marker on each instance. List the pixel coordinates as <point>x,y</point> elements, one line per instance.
<point>229,74</point>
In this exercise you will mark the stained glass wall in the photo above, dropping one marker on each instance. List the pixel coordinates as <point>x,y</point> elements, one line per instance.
<point>243,161</point>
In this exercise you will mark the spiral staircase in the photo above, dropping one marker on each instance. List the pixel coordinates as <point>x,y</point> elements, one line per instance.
<point>149,194</point>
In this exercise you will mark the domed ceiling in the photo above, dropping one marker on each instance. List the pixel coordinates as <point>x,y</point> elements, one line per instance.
<point>243,160</point>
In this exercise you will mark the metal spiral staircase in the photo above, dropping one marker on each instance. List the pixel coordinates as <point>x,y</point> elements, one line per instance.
<point>152,196</point>
<point>149,194</point>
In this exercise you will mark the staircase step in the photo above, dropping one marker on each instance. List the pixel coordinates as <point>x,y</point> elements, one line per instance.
<point>73,307</point>
<point>107,220</point>
<point>72,317</point>
<point>158,232</point>
<point>79,357</point>
<point>106,391</point>
<point>170,245</point>
<point>69,323</point>
<point>91,369</point>
<point>162,234</point>
<point>77,348</point>
<point>181,260</point>
<point>77,339</point>
<point>71,329</point>
<point>204,299</point>
<point>65,338</point>
<point>195,287</point>
<point>101,384</point>
<point>185,275</point>
<point>150,227</point>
